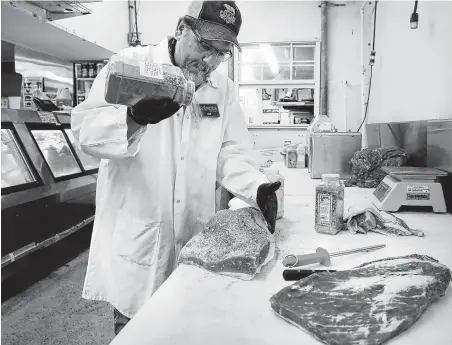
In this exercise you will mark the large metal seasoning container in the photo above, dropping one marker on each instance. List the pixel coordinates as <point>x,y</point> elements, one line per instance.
<point>129,80</point>
<point>331,153</point>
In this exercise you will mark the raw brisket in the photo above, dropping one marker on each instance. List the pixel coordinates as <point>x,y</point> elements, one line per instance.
<point>234,243</point>
<point>366,305</point>
<point>366,165</point>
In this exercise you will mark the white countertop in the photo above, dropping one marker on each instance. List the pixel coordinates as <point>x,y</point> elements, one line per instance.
<point>196,307</point>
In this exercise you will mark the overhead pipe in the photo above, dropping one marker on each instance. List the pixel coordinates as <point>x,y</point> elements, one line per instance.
<point>363,71</point>
<point>323,59</point>
<point>131,34</point>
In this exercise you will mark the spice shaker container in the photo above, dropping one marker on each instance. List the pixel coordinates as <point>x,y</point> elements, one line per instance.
<point>84,70</point>
<point>129,80</point>
<point>329,205</point>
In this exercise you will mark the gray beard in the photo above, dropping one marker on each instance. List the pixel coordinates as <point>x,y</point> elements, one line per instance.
<point>199,78</point>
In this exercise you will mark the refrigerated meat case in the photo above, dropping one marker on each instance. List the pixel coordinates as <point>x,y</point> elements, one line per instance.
<point>48,196</point>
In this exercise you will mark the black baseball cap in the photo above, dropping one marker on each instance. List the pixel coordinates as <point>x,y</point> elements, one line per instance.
<point>215,20</point>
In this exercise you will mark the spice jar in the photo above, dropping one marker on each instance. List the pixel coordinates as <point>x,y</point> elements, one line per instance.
<point>91,70</point>
<point>329,205</point>
<point>84,70</point>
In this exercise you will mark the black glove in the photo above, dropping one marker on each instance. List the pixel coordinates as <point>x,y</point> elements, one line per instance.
<point>151,111</point>
<point>267,202</point>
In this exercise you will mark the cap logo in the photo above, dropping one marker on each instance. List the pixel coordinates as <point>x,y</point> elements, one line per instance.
<point>228,15</point>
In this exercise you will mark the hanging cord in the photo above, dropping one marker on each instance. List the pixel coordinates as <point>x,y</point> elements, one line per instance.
<point>370,79</point>
<point>137,42</point>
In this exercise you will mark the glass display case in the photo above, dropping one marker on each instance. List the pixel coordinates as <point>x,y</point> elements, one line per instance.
<point>88,162</point>
<point>56,152</point>
<point>15,168</point>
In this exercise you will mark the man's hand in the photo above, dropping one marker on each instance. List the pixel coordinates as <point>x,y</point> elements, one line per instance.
<point>151,111</point>
<point>267,202</point>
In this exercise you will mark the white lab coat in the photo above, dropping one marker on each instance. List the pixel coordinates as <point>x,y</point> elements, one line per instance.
<point>157,189</point>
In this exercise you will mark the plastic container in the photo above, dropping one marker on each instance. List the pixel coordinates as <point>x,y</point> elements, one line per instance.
<point>129,80</point>
<point>301,151</point>
<point>291,156</point>
<point>294,156</point>
<point>329,205</point>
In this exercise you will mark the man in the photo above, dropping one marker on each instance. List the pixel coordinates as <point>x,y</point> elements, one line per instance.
<point>160,162</point>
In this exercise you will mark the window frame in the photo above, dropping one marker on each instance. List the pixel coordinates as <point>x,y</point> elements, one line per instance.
<point>293,83</point>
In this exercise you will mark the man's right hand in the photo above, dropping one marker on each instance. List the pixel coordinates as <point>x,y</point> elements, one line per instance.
<point>151,111</point>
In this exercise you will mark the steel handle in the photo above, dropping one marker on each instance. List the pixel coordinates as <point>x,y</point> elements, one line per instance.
<point>301,260</point>
<point>320,256</point>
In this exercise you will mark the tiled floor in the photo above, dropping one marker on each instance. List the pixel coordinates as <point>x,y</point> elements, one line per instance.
<point>52,312</point>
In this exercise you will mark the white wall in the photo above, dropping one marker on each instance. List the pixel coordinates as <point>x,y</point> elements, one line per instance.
<point>412,77</point>
<point>412,74</point>
<point>279,21</point>
<point>344,64</point>
<point>107,25</point>
<point>263,21</point>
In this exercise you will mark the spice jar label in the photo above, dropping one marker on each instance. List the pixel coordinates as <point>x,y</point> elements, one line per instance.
<point>152,70</point>
<point>325,202</point>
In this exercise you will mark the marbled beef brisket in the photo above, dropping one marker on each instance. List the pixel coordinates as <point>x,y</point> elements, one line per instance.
<point>366,305</point>
<point>367,162</point>
<point>232,242</point>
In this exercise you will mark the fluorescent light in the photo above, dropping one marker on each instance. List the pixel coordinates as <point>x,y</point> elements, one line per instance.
<point>269,55</point>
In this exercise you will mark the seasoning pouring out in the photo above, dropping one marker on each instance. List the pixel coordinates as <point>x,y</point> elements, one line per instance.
<point>322,256</point>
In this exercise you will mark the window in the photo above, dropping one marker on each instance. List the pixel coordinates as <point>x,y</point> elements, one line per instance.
<point>56,152</point>
<point>15,168</point>
<point>277,82</point>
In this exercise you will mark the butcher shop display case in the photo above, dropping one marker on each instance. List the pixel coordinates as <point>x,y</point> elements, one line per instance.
<point>48,196</point>
<point>17,173</point>
<point>57,153</point>
<point>89,163</point>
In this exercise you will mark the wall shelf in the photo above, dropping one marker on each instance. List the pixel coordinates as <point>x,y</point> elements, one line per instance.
<point>293,104</point>
<point>277,126</point>
<point>28,27</point>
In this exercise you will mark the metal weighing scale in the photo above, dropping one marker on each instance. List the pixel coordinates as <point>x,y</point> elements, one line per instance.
<point>410,186</point>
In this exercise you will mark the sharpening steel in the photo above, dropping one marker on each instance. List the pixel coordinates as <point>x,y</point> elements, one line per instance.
<point>322,256</point>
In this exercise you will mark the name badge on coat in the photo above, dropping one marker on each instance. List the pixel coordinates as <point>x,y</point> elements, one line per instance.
<point>209,110</point>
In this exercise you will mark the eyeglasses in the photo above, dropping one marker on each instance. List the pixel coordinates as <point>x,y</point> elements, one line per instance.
<point>208,48</point>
